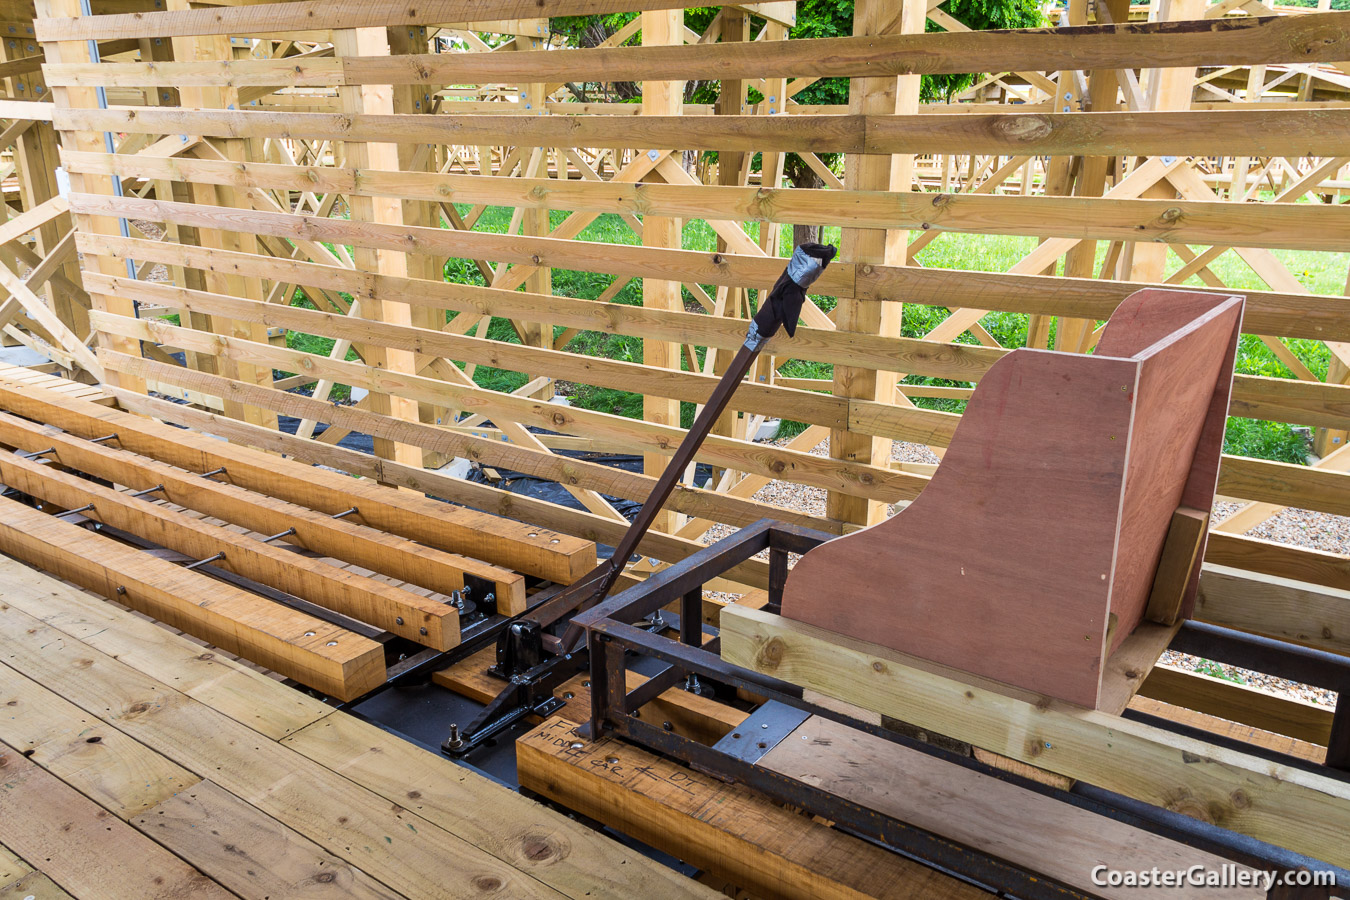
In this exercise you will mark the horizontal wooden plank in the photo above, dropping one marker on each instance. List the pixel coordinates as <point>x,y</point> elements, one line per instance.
<point>1282,560</point>
<point>1267,312</point>
<point>343,539</point>
<point>883,420</point>
<point>26,109</point>
<point>119,774</point>
<point>590,256</point>
<point>956,361</point>
<point>250,852</point>
<point>390,608</point>
<point>564,520</point>
<point>1295,809</point>
<point>804,468</point>
<point>1297,132</point>
<point>308,15</point>
<point>1276,225</point>
<point>311,651</point>
<point>1285,484</point>
<point>1239,703</point>
<point>1204,42</point>
<point>1274,606</point>
<point>516,545</point>
<point>83,847</point>
<point>263,704</point>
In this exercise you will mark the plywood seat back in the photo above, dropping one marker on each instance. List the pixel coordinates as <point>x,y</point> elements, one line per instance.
<point>1048,514</point>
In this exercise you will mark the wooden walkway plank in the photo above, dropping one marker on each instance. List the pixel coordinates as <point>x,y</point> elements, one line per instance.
<point>121,775</point>
<point>12,868</point>
<point>527,549</point>
<point>313,652</point>
<point>340,538</point>
<point>1293,808</point>
<point>33,886</point>
<point>1038,833</point>
<point>85,849</point>
<point>263,704</point>
<point>387,841</point>
<point>392,609</point>
<point>570,858</point>
<point>251,853</point>
<point>727,829</point>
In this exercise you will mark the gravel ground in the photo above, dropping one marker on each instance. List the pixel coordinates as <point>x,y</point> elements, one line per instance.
<point>1299,527</point>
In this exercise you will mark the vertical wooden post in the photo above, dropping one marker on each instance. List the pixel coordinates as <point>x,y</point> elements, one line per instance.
<point>661,98</point>
<point>1072,335</point>
<point>415,99</point>
<point>536,222</point>
<point>1170,89</point>
<point>378,98</point>
<point>870,246</point>
<point>85,98</point>
<point>219,47</point>
<point>735,27</point>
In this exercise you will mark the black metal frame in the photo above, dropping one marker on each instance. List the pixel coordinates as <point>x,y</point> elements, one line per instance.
<point>613,633</point>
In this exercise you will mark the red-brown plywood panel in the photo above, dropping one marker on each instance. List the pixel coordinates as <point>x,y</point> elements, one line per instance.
<point>1005,565</point>
<point>1179,376</point>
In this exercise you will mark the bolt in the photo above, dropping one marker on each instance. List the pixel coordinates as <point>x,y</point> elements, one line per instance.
<point>399,620</point>
<point>422,631</point>
<point>667,726</point>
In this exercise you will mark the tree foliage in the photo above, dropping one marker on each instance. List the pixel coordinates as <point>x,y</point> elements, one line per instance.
<point>815,19</point>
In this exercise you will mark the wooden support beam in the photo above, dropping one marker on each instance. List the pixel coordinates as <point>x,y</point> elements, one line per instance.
<point>524,548</point>
<point>1247,41</point>
<point>311,651</point>
<point>342,539</point>
<point>873,482</point>
<point>724,828</point>
<point>1295,132</point>
<point>393,609</point>
<point>563,520</point>
<point>231,687</point>
<point>1180,551</point>
<point>1167,221</point>
<point>1243,703</point>
<point>1268,312</point>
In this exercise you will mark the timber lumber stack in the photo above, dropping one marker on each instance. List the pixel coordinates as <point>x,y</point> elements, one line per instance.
<point>367,563</point>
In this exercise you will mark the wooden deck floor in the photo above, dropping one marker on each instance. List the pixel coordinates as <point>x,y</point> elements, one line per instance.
<point>136,764</point>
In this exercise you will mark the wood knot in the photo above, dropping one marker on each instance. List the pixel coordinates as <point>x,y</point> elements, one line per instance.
<point>538,847</point>
<point>770,655</point>
<point>488,883</point>
<point>325,878</point>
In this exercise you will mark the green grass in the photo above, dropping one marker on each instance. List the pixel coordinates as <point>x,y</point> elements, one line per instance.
<point>1322,273</point>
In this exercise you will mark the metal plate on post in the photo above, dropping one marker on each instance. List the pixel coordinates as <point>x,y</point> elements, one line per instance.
<point>764,730</point>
